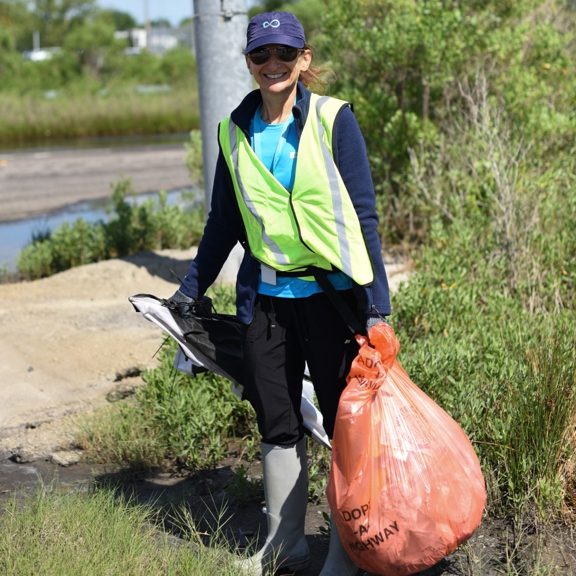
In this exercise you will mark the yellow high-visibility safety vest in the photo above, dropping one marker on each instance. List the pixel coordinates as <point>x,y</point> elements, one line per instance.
<point>316,224</point>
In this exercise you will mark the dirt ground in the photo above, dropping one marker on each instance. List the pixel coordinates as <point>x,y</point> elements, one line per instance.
<point>66,340</point>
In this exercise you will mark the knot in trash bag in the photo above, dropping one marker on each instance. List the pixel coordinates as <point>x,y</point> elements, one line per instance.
<point>383,339</point>
<point>375,358</point>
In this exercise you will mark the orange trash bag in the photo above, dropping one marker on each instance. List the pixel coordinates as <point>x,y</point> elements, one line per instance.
<point>405,488</point>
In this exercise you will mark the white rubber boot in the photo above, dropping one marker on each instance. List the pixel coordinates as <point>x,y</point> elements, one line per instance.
<point>285,474</point>
<point>337,562</point>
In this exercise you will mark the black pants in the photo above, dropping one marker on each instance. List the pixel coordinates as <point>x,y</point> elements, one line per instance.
<point>284,335</point>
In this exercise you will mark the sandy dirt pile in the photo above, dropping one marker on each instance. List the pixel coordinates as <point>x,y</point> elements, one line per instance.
<point>66,340</point>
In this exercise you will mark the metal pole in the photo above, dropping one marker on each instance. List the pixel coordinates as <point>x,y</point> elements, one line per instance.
<point>192,46</point>
<point>223,79</point>
<point>147,24</point>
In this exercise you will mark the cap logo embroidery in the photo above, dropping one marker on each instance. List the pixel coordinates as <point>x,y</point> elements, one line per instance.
<point>274,23</point>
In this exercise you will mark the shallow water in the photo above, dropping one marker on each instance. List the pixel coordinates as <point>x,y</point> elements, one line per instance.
<point>17,234</point>
<point>27,477</point>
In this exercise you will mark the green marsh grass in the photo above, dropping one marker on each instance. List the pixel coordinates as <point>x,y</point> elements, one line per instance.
<point>25,118</point>
<point>97,534</point>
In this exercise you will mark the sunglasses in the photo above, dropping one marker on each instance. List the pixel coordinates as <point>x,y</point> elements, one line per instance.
<point>283,53</point>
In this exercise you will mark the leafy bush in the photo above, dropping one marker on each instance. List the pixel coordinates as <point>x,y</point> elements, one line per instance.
<point>177,67</point>
<point>193,418</point>
<point>402,64</point>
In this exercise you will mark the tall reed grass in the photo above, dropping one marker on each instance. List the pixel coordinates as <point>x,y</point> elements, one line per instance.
<point>29,118</point>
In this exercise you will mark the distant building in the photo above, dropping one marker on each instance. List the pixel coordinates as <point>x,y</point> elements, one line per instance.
<point>162,39</point>
<point>40,54</point>
<point>136,39</point>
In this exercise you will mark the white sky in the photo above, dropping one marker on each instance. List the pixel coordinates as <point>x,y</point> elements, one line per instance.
<point>174,10</point>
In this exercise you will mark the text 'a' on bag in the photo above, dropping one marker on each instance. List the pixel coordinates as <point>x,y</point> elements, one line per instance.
<point>406,485</point>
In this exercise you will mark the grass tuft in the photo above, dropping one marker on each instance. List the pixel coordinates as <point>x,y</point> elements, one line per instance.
<point>96,534</point>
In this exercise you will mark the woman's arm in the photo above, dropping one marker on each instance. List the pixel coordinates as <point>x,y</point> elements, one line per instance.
<point>352,161</point>
<point>223,229</point>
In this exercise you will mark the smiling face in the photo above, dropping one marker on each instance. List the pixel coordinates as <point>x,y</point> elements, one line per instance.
<point>276,77</point>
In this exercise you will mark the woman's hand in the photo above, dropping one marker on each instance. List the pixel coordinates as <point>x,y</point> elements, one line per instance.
<point>179,297</point>
<point>373,320</point>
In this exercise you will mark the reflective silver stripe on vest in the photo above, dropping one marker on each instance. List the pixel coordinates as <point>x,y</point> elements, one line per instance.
<point>278,254</point>
<point>335,192</point>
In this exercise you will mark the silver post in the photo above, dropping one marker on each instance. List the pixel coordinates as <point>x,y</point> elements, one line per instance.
<point>147,24</point>
<point>192,47</point>
<point>223,79</point>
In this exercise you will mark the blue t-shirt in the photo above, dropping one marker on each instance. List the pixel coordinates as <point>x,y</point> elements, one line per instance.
<point>277,147</point>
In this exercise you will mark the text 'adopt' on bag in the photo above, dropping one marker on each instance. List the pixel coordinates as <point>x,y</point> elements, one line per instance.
<point>406,484</point>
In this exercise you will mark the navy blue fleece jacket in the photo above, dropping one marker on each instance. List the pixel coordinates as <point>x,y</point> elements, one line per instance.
<point>225,228</point>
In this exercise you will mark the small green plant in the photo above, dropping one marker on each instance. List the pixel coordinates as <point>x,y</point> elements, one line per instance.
<point>245,488</point>
<point>194,158</point>
<point>6,275</point>
<point>326,530</point>
<point>251,446</point>
<point>318,469</point>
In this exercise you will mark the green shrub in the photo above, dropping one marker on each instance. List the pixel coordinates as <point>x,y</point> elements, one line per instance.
<point>178,66</point>
<point>487,323</point>
<point>193,418</point>
<point>402,63</point>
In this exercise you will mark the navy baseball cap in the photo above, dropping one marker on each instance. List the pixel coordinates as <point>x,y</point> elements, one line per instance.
<point>274,28</point>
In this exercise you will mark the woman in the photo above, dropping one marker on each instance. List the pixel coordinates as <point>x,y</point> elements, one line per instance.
<point>292,185</point>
